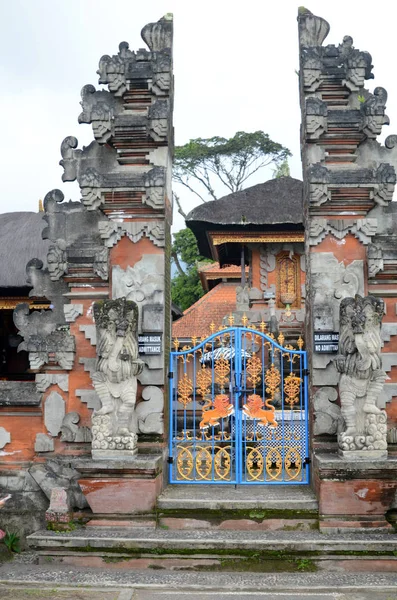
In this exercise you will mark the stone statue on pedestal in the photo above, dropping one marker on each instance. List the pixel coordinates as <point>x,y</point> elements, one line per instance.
<point>114,425</point>
<point>361,379</point>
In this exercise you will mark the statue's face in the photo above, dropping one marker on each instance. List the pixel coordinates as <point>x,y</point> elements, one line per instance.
<point>112,315</point>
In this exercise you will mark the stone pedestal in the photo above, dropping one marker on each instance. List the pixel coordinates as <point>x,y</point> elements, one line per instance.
<point>121,487</point>
<point>59,515</point>
<point>354,495</point>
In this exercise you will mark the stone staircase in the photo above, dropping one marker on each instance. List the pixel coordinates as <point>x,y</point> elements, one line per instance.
<point>216,528</point>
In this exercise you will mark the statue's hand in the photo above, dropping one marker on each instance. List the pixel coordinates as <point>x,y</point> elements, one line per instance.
<point>138,366</point>
<point>340,362</point>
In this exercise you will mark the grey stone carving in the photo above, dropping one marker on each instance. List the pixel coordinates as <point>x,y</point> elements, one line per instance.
<point>143,283</point>
<point>89,397</point>
<point>5,437</point>
<point>374,259</point>
<point>57,260</point>
<point>266,265</point>
<point>149,412</point>
<point>89,364</point>
<point>153,317</point>
<point>19,393</point>
<point>54,473</point>
<point>114,425</point>
<point>101,263</point>
<point>99,109</point>
<point>44,380</point>
<point>328,417</point>
<point>54,412</point>
<point>43,443</point>
<point>332,281</point>
<point>158,36</point>
<point>72,311</point>
<point>362,229</point>
<point>89,333</point>
<point>373,110</point>
<point>388,393</point>
<point>316,117</point>
<point>71,432</point>
<point>242,298</point>
<point>312,30</point>
<point>387,331</point>
<point>389,360</point>
<point>112,232</point>
<point>361,376</point>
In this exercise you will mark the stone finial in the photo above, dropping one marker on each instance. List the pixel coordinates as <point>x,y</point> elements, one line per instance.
<point>158,36</point>
<point>312,30</point>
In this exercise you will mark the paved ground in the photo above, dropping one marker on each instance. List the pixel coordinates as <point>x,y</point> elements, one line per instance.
<point>62,593</point>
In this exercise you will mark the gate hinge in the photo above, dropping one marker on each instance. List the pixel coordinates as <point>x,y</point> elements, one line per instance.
<point>307,460</point>
<point>170,460</point>
<point>306,372</point>
<point>170,375</point>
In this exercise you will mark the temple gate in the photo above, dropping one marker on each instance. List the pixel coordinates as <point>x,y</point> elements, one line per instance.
<point>238,410</point>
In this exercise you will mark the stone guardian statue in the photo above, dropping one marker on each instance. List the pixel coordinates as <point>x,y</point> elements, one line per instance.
<point>361,378</point>
<point>114,425</point>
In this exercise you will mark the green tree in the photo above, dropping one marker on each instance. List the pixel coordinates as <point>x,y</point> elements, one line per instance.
<point>186,287</point>
<point>282,170</point>
<point>205,164</point>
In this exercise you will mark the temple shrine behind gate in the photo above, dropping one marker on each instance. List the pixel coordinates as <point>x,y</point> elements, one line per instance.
<point>271,403</point>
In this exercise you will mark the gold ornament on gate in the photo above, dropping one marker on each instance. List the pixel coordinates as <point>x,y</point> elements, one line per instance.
<point>222,370</point>
<point>203,381</point>
<point>185,390</point>
<point>292,386</point>
<point>254,369</point>
<point>272,380</point>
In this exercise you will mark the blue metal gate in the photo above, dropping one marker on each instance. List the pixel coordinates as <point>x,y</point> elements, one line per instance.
<point>238,410</point>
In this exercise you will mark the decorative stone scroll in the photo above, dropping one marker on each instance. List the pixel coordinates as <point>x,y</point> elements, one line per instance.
<point>361,378</point>
<point>114,425</point>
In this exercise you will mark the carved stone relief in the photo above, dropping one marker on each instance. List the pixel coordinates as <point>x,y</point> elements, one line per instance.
<point>362,229</point>
<point>71,432</point>
<point>114,425</point>
<point>361,377</point>
<point>54,412</point>
<point>150,411</point>
<point>112,232</point>
<point>332,281</point>
<point>328,417</point>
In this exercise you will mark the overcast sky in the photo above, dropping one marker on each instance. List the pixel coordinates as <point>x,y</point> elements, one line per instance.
<point>235,69</point>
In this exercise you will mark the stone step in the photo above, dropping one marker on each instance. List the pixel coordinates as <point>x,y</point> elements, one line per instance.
<point>336,585</point>
<point>240,508</point>
<point>216,550</point>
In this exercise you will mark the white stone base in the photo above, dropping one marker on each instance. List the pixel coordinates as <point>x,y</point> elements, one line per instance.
<point>363,454</point>
<point>113,454</point>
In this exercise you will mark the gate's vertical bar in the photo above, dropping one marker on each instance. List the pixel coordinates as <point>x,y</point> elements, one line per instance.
<point>306,399</point>
<point>237,366</point>
<point>170,417</point>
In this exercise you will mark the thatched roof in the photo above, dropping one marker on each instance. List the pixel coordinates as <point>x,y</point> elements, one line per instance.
<point>271,206</point>
<point>275,201</point>
<point>20,241</point>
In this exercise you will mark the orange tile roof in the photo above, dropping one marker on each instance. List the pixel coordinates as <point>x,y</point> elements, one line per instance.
<point>211,308</point>
<point>208,268</point>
